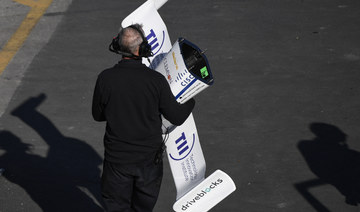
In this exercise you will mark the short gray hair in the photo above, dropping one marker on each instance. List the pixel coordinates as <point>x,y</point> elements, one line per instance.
<point>130,38</point>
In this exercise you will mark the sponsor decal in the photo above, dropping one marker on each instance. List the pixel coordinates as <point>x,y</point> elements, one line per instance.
<point>204,72</point>
<point>154,42</point>
<point>185,78</point>
<point>167,70</point>
<point>183,148</point>
<point>201,194</point>
<point>189,168</point>
<point>174,58</point>
<point>185,159</point>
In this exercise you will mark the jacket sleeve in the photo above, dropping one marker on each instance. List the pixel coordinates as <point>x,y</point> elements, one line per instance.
<point>173,111</point>
<point>97,103</point>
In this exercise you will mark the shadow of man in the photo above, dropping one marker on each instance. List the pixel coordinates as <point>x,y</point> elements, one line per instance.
<point>330,159</point>
<point>53,182</point>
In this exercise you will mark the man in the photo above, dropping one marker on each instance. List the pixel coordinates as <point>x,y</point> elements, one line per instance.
<point>131,97</point>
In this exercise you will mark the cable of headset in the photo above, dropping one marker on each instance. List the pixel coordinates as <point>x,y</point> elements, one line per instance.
<point>160,152</point>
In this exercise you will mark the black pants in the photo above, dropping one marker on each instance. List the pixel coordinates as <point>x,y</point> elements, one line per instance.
<point>131,188</point>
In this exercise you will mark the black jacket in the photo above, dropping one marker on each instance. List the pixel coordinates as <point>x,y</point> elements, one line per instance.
<point>130,97</point>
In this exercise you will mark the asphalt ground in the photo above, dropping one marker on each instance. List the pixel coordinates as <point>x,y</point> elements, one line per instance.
<point>282,118</point>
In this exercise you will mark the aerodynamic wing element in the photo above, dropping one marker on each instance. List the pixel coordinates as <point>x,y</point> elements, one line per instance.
<point>187,71</point>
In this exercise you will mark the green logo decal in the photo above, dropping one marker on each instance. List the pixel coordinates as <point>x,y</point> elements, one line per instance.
<point>204,72</point>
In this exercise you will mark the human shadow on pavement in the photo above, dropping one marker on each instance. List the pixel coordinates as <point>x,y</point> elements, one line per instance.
<point>67,179</point>
<point>333,162</point>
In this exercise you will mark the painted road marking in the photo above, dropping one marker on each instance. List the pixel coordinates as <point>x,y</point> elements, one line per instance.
<point>38,8</point>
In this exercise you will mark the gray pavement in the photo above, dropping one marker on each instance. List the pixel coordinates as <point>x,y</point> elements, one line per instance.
<point>12,14</point>
<point>279,67</point>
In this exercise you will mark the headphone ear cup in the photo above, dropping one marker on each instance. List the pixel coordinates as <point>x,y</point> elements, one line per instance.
<point>145,49</point>
<point>115,43</point>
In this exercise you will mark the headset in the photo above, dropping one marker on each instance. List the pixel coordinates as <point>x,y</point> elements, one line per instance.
<point>144,48</point>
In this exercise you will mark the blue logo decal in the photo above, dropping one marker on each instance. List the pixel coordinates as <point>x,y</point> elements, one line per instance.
<point>183,149</point>
<point>153,41</point>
